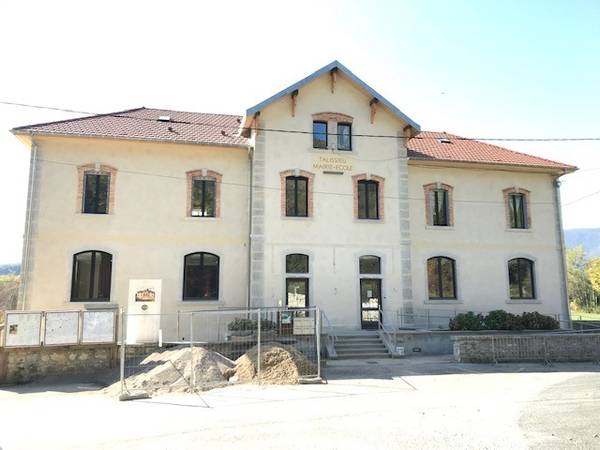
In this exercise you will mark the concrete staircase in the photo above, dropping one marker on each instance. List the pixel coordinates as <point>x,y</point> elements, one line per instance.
<point>353,346</point>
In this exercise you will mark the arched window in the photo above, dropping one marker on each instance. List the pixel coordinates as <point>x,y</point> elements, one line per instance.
<point>201,276</point>
<point>91,276</point>
<point>438,205</point>
<point>441,278</point>
<point>521,279</point>
<point>369,264</point>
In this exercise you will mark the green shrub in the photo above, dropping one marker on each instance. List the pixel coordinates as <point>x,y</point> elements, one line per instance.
<point>537,321</point>
<point>502,320</point>
<point>250,325</point>
<point>467,321</point>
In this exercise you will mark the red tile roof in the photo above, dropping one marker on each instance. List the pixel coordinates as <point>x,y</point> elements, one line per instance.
<point>143,124</point>
<point>430,146</point>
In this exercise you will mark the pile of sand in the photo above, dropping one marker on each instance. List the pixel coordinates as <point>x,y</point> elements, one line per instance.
<point>170,370</point>
<point>279,364</point>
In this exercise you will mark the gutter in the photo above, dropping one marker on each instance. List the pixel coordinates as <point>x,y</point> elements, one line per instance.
<point>250,197</point>
<point>562,252</point>
<point>25,257</point>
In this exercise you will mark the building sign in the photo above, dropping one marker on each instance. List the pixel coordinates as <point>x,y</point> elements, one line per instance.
<point>145,295</point>
<point>332,163</point>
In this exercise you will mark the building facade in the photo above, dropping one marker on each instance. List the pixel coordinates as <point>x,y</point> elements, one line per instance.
<point>323,195</point>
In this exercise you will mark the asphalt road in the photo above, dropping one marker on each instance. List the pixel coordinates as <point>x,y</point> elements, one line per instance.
<point>412,403</point>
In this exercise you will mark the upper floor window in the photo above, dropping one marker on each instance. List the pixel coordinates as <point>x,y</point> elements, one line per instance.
<point>521,279</point>
<point>91,277</point>
<point>204,197</point>
<point>296,196</point>
<point>96,188</point>
<point>441,278</point>
<point>369,265</point>
<point>201,276</point>
<point>368,199</point>
<point>344,136</point>
<point>95,198</point>
<point>517,211</point>
<point>438,204</point>
<point>319,134</point>
<point>203,193</point>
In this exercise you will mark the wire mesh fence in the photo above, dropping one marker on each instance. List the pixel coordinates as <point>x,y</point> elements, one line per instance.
<point>190,351</point>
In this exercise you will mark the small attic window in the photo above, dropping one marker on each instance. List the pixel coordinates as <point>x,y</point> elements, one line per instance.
<point>445,141</point>
<point>164,118</point>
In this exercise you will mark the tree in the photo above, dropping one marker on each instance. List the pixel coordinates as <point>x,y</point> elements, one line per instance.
<point>581,289</point>
<point>593,273</point>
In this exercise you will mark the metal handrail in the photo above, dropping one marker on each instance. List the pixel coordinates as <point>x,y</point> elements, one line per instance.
<point>386,334</point>
<point>329,327</point>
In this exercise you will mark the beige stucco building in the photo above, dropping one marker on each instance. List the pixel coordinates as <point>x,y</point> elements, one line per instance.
<point>323,195</point>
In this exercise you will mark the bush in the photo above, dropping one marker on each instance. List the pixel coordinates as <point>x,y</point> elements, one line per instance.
<point>250,325</point>
<point>502,320</point>
<point>467,321</point>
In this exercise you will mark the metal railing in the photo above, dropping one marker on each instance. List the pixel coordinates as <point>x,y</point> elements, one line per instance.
<point>329,331</point>
<point>387,335</point>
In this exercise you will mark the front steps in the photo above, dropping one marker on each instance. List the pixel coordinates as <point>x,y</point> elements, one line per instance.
<point>360,346</point>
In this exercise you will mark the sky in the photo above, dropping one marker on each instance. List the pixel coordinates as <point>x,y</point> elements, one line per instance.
<point>508,69</point>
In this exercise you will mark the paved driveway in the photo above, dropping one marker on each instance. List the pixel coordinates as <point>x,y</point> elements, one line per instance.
<point>412,403</point>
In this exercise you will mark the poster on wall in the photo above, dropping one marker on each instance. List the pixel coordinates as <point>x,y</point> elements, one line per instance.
<point>22,329</point>
<point>143,311</point>
<point>98,327</point>
<point>61,328</point>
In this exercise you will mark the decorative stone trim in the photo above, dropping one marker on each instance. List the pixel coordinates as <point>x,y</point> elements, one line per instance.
<point>297,173</point>
<point>332,117</point>
<point>96,168</point>
<point>380,191</point>
<point>190,175</point>
<point>516,190</point>
<point>427,188</point>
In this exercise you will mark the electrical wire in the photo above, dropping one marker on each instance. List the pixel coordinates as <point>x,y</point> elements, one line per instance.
<point>281,130</point>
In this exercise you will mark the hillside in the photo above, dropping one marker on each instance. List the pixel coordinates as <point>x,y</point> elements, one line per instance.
<point>589,238</point>
<point>10,269</point>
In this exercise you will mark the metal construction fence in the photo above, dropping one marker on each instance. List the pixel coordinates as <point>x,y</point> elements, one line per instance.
<point>199,350</point>
<point>541,347</point>
<point>439,319</point>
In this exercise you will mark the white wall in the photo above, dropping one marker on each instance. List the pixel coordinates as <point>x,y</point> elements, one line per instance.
<point>480,241</point>
<point>148,232</point>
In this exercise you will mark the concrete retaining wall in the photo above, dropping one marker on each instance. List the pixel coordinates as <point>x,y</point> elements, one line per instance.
<point>21,365</point>
<point>540,347</point>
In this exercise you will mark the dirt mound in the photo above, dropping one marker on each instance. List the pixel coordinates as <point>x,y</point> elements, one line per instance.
<point>171,370</point>
<point>279,364</point>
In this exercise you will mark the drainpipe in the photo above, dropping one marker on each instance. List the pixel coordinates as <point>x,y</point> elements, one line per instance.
<point>250,197</point>
<point>22,297</point>
<point>562,252</point>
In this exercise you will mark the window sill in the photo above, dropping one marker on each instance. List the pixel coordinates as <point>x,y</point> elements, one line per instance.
<point>301,218</point>
<point>84,214</point>
<point>200,302</point>
<point>439,227</point>
<point>329,150</point>
<point>519,230</point>
<point>445,301</point>
<point>525,301</point>
<point>200,218</point>
<point>93,305</point>
<point>368,220</point>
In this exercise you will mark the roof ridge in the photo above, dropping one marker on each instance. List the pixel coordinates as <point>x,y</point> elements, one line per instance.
<point>75,119</point>
<point>497,147</point>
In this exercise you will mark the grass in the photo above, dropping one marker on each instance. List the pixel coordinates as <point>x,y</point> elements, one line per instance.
<point>580,315</point>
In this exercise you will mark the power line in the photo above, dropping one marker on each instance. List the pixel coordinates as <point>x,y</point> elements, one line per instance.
<point>582,198</point>
<point>278,189</point>
<point>281,130</point>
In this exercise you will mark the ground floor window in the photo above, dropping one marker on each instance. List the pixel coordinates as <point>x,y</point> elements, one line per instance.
<point>521,279</point>
<point>441,278</point>
<point>91,276</point>
<point>201,276</point>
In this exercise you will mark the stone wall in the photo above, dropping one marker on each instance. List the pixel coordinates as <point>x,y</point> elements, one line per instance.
<point>540,347</point>
<point>21,365</point>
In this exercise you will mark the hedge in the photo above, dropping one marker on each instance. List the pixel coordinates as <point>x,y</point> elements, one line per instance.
<point>502,320</point>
